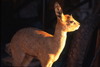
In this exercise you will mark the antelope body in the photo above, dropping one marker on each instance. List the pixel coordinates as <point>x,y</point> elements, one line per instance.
<point>30,43</point>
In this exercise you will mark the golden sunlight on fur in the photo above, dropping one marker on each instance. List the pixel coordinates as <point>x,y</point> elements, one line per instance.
<point>30,43</point>
<point>44,34</point>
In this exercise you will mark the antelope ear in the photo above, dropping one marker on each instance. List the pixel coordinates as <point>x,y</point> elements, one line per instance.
<point>58,10</point>
<point>71,15</point>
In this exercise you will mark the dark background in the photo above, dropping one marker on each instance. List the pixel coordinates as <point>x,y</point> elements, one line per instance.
<point>18,14</point>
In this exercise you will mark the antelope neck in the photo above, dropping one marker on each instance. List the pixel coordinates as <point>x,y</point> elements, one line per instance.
<point>60,35</point>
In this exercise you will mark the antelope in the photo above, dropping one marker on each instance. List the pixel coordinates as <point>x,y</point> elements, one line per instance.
<point>30,43</point>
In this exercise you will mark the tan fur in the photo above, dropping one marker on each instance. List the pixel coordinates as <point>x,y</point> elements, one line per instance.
<point>28,43</point>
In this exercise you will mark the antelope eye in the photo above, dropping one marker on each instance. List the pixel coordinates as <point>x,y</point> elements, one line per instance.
<point>71,21</point>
